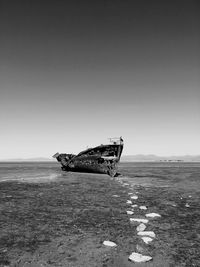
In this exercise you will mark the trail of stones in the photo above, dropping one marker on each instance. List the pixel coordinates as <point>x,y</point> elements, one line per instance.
<point>140,223</point>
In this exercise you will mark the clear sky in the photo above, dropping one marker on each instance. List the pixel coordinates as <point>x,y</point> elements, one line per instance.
<point>74,73</point>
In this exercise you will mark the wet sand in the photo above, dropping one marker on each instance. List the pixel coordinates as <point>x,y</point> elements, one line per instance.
<point>64,221</point>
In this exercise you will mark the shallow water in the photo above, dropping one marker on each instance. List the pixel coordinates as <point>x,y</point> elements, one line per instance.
<point>29,171</point>
<point>161,174</point>
<point>182,175</point>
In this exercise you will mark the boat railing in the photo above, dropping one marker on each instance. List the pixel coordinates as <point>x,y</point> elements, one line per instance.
<point>116,140</point>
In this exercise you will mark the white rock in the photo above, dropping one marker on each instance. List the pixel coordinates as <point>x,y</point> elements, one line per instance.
<point>134,206</point>
<point>126,184</point>
<point>109,243</point>
<point>141,227</point>
<point>130,193</point>
<point>187,205</point>
<point>143,207</point>
<point>129,212</point>
<point>153,215</point>
<point>137,257</point>
<point>115,195</point>
<point>147,233</point>
<point>129,202</point>
<point>189,196</point>
<point>134,197</point>
<point>147,239</point>
<point>139,220</point>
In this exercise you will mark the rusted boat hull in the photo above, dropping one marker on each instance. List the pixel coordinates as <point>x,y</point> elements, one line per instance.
<point>101,159</point>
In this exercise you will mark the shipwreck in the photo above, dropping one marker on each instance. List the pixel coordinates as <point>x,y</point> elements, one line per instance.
<point>100,159</point>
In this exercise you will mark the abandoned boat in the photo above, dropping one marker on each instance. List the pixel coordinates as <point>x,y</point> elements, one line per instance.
<point>99,159</point>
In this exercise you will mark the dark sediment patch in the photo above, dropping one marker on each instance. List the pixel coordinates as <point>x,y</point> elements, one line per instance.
<point>34,215</point>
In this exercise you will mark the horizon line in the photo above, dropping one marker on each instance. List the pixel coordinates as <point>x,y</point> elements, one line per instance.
<point>127,155</point>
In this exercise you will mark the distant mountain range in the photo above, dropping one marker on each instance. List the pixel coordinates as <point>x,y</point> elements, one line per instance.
<point>141,157</point>
<point>125,158</point>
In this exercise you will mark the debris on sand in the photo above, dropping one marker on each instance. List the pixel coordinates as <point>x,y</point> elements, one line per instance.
<point>141,227</point>
<point>134,206</point>
<point>143,207</point>
<point>109,244</point>
<point>137,257</point>
<point>147,233</point>
<point>129,212</point>
<point>139,220</point>
<point>152,215</point>
<point>134,197</point>
<point>129,202</point>
<point>187,205</point>
<point>147,239</point>
<point>116,196</point>
<point>130,193</point>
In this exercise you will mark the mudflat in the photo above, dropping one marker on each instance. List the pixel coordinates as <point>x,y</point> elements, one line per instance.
<point>64,222</point>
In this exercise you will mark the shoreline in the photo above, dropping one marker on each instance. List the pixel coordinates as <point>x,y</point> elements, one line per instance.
<point>64,222</point>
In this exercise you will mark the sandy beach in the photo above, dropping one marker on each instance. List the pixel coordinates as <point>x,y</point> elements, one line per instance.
<point>64,222</point>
